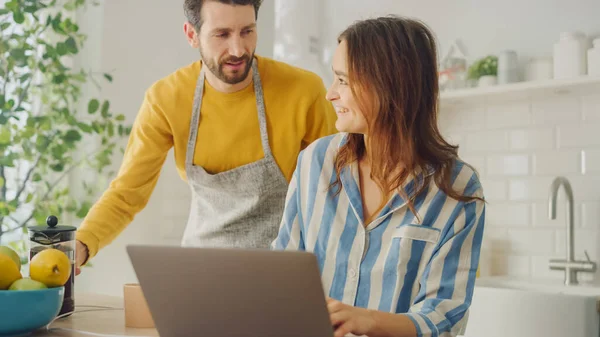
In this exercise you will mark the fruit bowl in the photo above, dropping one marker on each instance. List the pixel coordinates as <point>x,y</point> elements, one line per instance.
<point>24,311</point>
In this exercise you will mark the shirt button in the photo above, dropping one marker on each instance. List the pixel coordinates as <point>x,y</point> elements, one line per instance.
<point>352,272</point>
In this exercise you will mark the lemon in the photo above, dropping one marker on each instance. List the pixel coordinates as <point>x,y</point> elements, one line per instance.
<point>9,271</point>
<point>51,266</point>
<point>12,254</point>
<point>27,284</point>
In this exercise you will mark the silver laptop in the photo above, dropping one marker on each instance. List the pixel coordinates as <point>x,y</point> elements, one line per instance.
<point>221,292</point>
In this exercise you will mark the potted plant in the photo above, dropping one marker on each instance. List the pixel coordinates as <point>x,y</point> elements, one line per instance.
<point>47,130</point>
<point>484,71</point>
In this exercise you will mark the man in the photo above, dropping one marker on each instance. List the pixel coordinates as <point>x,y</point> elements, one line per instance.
<point>237,123</point>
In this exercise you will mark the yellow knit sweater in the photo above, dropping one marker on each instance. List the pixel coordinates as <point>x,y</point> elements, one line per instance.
<point>297,113</point>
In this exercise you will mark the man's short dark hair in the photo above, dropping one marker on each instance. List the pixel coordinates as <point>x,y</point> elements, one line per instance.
<point>192,9</point>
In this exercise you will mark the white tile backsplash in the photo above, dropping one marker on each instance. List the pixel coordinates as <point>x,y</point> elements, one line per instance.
<point>511,265</point>
<point>591,108</point>
<point>533,188</point>
<point>519,147</point>
<point>532,139</point>
<point>586,188</point>
<point>456,119</point>
<point>508,115</point>
<point>591,161</point>
<point>495,189</point>
<point>486,141</point>
<point>582,135</point>
<point>590,215</point>
<point>508,215</point>
<point>556,162</point>
<point>532,241</point>
<point>559,109</point>
<point>511,165</point>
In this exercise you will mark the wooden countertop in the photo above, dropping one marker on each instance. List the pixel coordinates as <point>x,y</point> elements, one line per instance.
<point>95,315</point>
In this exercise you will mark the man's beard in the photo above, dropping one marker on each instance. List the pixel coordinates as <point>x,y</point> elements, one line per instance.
<point>217,69</point>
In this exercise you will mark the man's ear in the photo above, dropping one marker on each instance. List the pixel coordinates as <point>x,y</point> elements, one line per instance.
<point>191,35</point>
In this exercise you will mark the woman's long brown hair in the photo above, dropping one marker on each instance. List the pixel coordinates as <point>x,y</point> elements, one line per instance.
<point>392,70</point>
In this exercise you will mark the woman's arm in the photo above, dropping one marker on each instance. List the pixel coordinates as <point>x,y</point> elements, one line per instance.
<point>447,286</point>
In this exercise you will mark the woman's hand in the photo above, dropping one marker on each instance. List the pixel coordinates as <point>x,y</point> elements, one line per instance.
<point>348,319</point>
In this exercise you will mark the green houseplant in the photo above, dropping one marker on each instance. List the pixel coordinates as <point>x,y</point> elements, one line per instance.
<point>485,68</point>
<point>47,130</point>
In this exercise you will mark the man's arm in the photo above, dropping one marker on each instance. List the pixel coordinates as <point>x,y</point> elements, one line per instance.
<point>320,118</point>
<point>149,143</point>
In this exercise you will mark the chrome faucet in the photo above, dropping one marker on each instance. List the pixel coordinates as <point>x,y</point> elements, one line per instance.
<point>569,265</point>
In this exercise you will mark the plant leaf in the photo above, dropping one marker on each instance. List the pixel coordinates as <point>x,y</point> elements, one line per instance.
<point>5,135</point>
<point>84,127</point>
<point>71,45</point>
<point>105,107</point>
<point>18,17</point>
<point>83,210</point>
<point>93,106</point>
<point>72,136</point>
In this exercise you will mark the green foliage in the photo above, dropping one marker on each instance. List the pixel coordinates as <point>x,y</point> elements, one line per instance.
<point>482,67</point>
<point>42,130</point>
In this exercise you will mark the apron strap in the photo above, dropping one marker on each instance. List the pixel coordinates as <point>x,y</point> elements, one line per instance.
<point>191,146</point>
<point>260,107</point>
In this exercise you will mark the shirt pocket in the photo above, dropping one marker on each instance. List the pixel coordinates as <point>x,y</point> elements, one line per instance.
<point>417,232</point>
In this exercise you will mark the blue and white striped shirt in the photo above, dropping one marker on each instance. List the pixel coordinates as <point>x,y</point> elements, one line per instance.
<point>394,264</point>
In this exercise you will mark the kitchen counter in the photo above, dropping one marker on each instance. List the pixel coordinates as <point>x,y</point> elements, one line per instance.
<point>95,315</point>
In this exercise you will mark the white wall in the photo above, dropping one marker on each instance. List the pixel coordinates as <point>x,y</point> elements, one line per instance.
<point>140,43</point>
<point>529,27</point>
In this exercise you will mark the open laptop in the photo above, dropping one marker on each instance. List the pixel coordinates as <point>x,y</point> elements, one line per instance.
<point>218,292</point>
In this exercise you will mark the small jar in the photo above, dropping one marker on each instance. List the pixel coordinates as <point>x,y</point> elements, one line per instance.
<point>539,69</point>
<point>593,58</point>
<point>570,56</point>
<point>508,71</point>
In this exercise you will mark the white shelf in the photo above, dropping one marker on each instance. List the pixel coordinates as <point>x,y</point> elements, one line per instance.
<point>521,90</point>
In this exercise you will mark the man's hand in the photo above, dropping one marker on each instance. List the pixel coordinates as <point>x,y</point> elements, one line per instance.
<point>348,319</point>
<point>81,255</point>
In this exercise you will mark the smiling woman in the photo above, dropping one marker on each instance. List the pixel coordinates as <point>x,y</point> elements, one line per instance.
<point>392,213</point>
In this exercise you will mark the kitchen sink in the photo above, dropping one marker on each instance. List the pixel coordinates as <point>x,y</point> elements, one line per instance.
<point>504,307</point>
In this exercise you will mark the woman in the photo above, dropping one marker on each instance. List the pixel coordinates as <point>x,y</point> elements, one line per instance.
<point>394,217</point>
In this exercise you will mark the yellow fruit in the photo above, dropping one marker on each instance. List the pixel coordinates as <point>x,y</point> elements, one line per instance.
<point>9,272</point>
<point>51,266</point>
<point>12,254</point>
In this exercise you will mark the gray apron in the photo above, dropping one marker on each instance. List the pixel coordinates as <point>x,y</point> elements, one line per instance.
<point>238,208</point>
